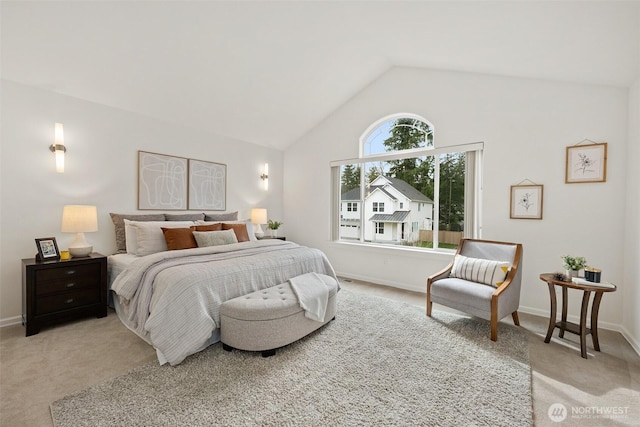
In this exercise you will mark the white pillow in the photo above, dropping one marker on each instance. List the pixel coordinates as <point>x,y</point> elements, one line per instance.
<point>130,237</point>
<point>250,232</point>
<point>485,271</point>
<point>149,238</point>
<point>215,238</point>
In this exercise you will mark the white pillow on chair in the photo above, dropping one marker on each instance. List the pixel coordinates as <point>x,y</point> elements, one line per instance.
<point>485,271</point>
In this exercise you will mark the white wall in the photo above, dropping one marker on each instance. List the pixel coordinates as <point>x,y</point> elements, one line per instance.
<point>101,169</point>
<point>631,289</point>
<point>526,125</point>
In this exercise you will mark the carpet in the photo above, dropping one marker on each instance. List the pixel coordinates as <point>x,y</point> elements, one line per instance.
<point>380,362</point>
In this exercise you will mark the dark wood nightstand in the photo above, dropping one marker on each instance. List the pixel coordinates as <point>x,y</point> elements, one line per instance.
<point>272,237</point>
<point>58,291</point>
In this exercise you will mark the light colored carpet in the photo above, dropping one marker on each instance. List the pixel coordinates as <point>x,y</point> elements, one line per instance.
<point>380,362</point>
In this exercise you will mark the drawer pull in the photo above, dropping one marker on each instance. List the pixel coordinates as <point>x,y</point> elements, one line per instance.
<point>70,285</point>
<point>70,272</point>
<point>69,301</point>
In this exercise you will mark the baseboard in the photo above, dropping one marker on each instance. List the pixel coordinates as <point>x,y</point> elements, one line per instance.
<point>10,321</point>
<point>377,281</point>
<point>631,340</point>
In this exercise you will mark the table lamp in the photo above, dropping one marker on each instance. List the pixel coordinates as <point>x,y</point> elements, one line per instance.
<point>79,219</point>
<point>258,217</point>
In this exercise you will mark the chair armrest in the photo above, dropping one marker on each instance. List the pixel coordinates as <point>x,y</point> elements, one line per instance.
<point>440,275</point>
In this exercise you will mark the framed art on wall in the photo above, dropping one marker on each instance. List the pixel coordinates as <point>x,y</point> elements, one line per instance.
<point>162,181</point>
<point>48,249</point>
<point>207,185</point>
<point>526,202</point>
<point>586,163</point>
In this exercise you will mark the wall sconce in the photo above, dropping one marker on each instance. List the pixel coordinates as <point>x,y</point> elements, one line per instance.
<point>58,147</point>
<point>265,176</point>
<point>79,219</point>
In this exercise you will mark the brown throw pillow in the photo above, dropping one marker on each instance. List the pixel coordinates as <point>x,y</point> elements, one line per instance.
<point>239,229</point>
<point>209,227</point>
<point>179,238</point>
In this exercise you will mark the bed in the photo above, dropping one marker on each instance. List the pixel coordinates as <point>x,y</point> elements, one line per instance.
<point>172,298</point>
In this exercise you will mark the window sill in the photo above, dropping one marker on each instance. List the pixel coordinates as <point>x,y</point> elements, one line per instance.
<point>396,250</point>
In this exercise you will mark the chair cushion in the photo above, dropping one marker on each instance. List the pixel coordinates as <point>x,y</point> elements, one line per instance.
<point>485,271</point>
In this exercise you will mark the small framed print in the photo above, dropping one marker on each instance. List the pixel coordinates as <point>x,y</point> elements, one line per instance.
<point>586,163</point>
<point>48,249</point>
<point>526,202</point>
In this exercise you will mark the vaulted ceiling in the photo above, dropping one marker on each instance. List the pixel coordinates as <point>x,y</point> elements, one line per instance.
<point>267,72</point>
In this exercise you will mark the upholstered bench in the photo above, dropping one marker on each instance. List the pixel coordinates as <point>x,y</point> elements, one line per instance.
<point>270,318</point>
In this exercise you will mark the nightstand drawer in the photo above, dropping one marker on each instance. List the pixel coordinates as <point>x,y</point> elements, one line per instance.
<point>67,301</point>
<point>67,284</point>
<point>72,272</point>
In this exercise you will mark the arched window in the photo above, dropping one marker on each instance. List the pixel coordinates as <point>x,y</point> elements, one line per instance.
<point>396,133</point>
<point>403,190</point>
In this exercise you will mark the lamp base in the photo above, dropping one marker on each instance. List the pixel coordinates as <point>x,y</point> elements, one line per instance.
<point>80,251</point>
<point>257,230</point>
<point>80,247</point>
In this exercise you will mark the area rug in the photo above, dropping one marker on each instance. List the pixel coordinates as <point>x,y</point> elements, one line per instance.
<point>380,362</point>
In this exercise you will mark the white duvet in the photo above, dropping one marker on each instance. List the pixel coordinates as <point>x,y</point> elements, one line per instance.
<point>172,299</point>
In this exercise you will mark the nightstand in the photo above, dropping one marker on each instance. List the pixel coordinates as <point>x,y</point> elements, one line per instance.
<point>272,237</point>
<point>58,291</point>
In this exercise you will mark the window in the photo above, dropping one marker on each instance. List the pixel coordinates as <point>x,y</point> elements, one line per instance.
<point>439,187</point>
<point>352,207</point>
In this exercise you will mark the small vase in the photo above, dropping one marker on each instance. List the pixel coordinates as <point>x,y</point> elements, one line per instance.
<point>274,233</point>
<point>571,274</point>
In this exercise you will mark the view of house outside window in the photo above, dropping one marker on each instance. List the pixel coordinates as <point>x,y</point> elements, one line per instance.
<point>403,200</point>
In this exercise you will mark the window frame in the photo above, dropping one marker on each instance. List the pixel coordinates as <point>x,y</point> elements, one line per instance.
<point>473,176</point>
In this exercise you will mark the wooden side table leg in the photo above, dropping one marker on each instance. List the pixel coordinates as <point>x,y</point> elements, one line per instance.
<point>594,320</point>
<point>552,316</point>
<point>565,305</point>
<point>583,323</point>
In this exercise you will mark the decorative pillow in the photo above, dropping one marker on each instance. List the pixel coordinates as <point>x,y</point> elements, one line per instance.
<point>184,217</point>
<point>150,238</point>
<point>241,231</point>
<point>215,238</point>
<point>230,216</point>
<point>118,222</point>
<point>216,226</point>
<point>486,271</point>
<point>179,238</point>
<point>246,222</point>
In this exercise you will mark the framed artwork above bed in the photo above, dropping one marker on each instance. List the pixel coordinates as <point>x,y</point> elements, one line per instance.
<point>162,181</point>
<point>207,185</point>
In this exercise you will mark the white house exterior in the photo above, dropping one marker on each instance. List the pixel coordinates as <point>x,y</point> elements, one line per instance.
<point>394,212</point>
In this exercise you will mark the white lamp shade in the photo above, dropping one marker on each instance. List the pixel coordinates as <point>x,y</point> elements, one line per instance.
<point>79,219</point>
<point>259,216</point>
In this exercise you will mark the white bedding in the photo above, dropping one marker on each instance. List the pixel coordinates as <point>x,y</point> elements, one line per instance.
<point>172,299</point>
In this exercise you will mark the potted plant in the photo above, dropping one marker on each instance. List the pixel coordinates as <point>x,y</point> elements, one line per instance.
<point>273,227</point>
<point>573,265</point>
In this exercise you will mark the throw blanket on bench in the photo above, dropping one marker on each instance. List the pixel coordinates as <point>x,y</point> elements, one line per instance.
<point>313,295</point>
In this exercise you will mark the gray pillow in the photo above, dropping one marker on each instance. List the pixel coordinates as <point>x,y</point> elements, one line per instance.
<point>230,216</point>
<point>215,238</point>
<point>118,222</point>
<point>185,217</point>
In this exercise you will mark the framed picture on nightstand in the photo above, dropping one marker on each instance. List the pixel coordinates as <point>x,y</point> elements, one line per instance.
<point>48,249</point>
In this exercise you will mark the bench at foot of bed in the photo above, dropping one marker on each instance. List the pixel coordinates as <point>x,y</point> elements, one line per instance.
<point>269,319</point>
